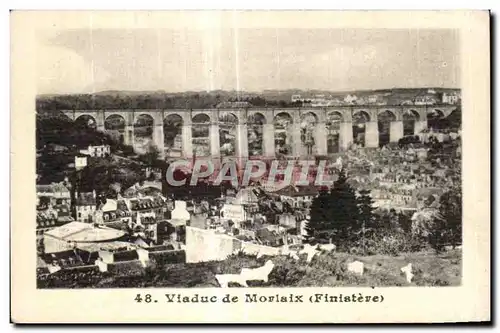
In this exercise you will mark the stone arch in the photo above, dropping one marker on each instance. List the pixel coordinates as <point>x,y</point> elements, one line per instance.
<point>384,120</point>
<point>283,112</point>
<point>86,120</point>
<point>172,135</point>
<point>359,120</point>
<point>308,122</point>
<point>202,114</point>
<point>410,119</point>
<point>318,114</point>
<point>434,118</point>
<point>255,129</point>
<point>283,129</point>
<point>336,115</point>
<point>200,132</point>
<point>201,118</point>
<point>435,113</point>
<point>267,115</point>
<point>143,132</point>
<point>333,123</point>
<point>411,114</point>
<point>256,118</point>
<point>228,128</point>
<point>361,115</point>
<point>115,124</point>
<point>395,115</point>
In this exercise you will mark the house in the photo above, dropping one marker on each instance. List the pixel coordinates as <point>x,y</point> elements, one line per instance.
<point>248,197</point>
<point>143,207</point>
<point>269,237</point>
<point>86,206</point>
<point>425,100</point>
<point>350,99</point>
<point>55,148</point>
<point>80,161</point>
<point>233,212</point>
<point>51,218</point>
<point>114,211</point>
<point>53,194</point>
<point>450,98</point>
<point>372,99</point>
<point>236,104</point>
<point>288,221</point>
<point>96,151</point>
<point>180,211</point>
<point>298,196</point>
<point>174,230</point>
<point>118,257</point>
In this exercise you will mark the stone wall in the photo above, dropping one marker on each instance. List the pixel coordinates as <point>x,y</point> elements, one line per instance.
<point>206,245</point>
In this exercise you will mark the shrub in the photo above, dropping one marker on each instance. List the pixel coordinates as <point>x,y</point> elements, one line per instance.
<point>162,258</point>
<point>388,242</point>
<point>286,273</point>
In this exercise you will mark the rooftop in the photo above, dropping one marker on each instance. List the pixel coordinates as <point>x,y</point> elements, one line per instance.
<point>84,232</point>
<point>147,203</point>
<point>108,246</point>
<point>297,191</point>
<point>86,199</point>
<point>52,188</point>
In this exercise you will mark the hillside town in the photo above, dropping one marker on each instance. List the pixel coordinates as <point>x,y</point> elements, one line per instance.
<point>124,229</point>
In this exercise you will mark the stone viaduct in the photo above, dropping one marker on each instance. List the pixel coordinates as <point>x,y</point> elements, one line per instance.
<point>346,115</point>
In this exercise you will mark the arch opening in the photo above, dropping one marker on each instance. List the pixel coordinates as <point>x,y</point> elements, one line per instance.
<point>333,120</point>
<point>143,133</point>
<point>359,121</point>
<point>172,135</point>
<point>115,127</point>
<point>201,135</point>
<point>308,124</point>
<point>283,140</point>
<point>384,121</point>
<point>85,121</point>
<point>255,125</point>
<point>410,117</point>
<point>228,123</point>
<point>435,119</point>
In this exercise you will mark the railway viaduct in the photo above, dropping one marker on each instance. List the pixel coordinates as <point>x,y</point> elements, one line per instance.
<point>343,116</point>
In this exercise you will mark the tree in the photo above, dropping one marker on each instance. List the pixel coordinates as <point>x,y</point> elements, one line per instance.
<point>344,208</point>
<point>450,212</point>
<point>151,156</point>
<point>366,218</point>
<point>335,213</point>
<point>44,201</point>
<point>404,222</point>
<point>320,214</point>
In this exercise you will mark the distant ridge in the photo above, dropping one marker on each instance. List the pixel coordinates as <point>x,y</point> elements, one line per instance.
<point>266,92</point>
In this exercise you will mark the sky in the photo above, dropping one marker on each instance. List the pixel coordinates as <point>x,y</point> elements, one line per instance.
<point>86,61</point>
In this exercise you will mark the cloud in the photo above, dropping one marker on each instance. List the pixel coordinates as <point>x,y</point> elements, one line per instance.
<point>251,59</point>
<point>65,71</point>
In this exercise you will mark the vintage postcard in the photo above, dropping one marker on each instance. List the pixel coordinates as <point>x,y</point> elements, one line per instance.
<point>250,167</point>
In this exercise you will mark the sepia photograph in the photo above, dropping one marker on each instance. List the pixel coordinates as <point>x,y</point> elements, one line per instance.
<point>245,157</point>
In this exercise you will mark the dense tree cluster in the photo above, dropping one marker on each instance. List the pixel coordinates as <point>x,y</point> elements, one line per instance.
<point>154,100</point>
<point>351,222</point>
<point>57,129</point>
<point>447,229</point>
<point>452,122</point>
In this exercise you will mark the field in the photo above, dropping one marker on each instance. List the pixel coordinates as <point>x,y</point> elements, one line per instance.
<point>326,270</point>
